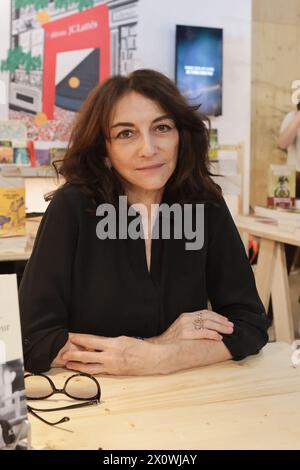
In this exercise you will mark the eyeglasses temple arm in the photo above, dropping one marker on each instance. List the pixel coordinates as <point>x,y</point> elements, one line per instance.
<point>79,405</point>
<point>55,423</point>
<point>68,407</point>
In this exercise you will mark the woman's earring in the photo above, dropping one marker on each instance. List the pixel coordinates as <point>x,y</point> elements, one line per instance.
<point>107,163</point>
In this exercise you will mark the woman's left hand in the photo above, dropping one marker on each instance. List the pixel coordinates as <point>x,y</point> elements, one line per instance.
<point>200,324</point>
<point>115,356</point>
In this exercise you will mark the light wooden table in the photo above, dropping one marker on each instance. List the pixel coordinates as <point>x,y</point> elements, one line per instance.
<point>32,225</point>
<point>251,404</point>
<point>271,272</point>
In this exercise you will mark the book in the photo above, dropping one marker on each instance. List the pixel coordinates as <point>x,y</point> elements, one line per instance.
<point>281,186</point>
<point>14,426</point>
<point>42,153</point>
<point>291,213</point>
<point>21,153</point>
<point>6,152</point>
<point>213,144</point>
<point>13,244</point>
<point>286,218</point>
<point>12,207</point>
<point>31,153</point>
<point>57,154</point>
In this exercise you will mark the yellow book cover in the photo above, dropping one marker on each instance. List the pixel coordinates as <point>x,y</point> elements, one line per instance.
<point>6,151</point>
<point>213,144</point>
<point>12,207</point>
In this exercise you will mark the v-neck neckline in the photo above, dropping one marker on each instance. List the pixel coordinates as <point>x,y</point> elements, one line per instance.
<point>138,257</point>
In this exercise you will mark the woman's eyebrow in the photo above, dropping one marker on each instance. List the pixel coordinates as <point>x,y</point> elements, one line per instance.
<point>123,124</point>
<point>161,118</point>
<point>130,124</point>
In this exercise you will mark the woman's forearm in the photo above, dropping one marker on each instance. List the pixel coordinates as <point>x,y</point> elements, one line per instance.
<point>186,354</point>
<point>124,355</point>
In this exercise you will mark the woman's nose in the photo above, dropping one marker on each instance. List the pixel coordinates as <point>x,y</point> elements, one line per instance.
<point>148,148</point>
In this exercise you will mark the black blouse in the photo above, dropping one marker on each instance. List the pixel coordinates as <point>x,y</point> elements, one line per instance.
<point>76,282</point>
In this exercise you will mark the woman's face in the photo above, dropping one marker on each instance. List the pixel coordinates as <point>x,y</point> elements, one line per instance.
<point>144,143</point>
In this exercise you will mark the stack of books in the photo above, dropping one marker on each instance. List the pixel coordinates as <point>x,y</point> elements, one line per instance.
<point>286,219</point>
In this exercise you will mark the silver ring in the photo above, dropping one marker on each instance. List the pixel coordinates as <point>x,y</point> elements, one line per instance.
<point>198,322</point>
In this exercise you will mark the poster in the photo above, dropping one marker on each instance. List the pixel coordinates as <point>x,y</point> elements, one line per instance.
<point>60,49</point>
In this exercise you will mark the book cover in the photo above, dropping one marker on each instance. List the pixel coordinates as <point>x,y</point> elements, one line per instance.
<point>213,144</point>
<point>14,426</point>
<point>21,153</point>
<point>42,153</point>
<point>31,152</point>
<point>6,152</point>
<point>281,186</point>
<point>12,207</point>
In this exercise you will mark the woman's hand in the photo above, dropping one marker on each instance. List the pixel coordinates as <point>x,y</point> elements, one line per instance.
<point>115,356</point>
<point>68,346</point>
<point>201,324</point>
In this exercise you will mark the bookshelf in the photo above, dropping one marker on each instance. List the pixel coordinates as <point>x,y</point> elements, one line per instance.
<point>27,171</point>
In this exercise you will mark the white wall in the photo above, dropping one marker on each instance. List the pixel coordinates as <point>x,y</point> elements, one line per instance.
<point>156,46</point>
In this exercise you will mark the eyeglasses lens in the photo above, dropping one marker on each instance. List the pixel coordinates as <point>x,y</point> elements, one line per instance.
<point>37,387</point>
<point>81,387</point>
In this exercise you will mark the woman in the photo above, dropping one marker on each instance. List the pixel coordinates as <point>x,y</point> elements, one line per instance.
<point>87,300</point>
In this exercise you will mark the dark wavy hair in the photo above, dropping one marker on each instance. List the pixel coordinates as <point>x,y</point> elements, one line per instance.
<point>84,162</point>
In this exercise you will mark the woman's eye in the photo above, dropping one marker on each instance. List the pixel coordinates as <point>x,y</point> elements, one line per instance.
<point>163,128</point>
<point>125,134</point>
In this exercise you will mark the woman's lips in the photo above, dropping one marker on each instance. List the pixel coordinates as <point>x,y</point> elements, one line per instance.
<point>151,167</point>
